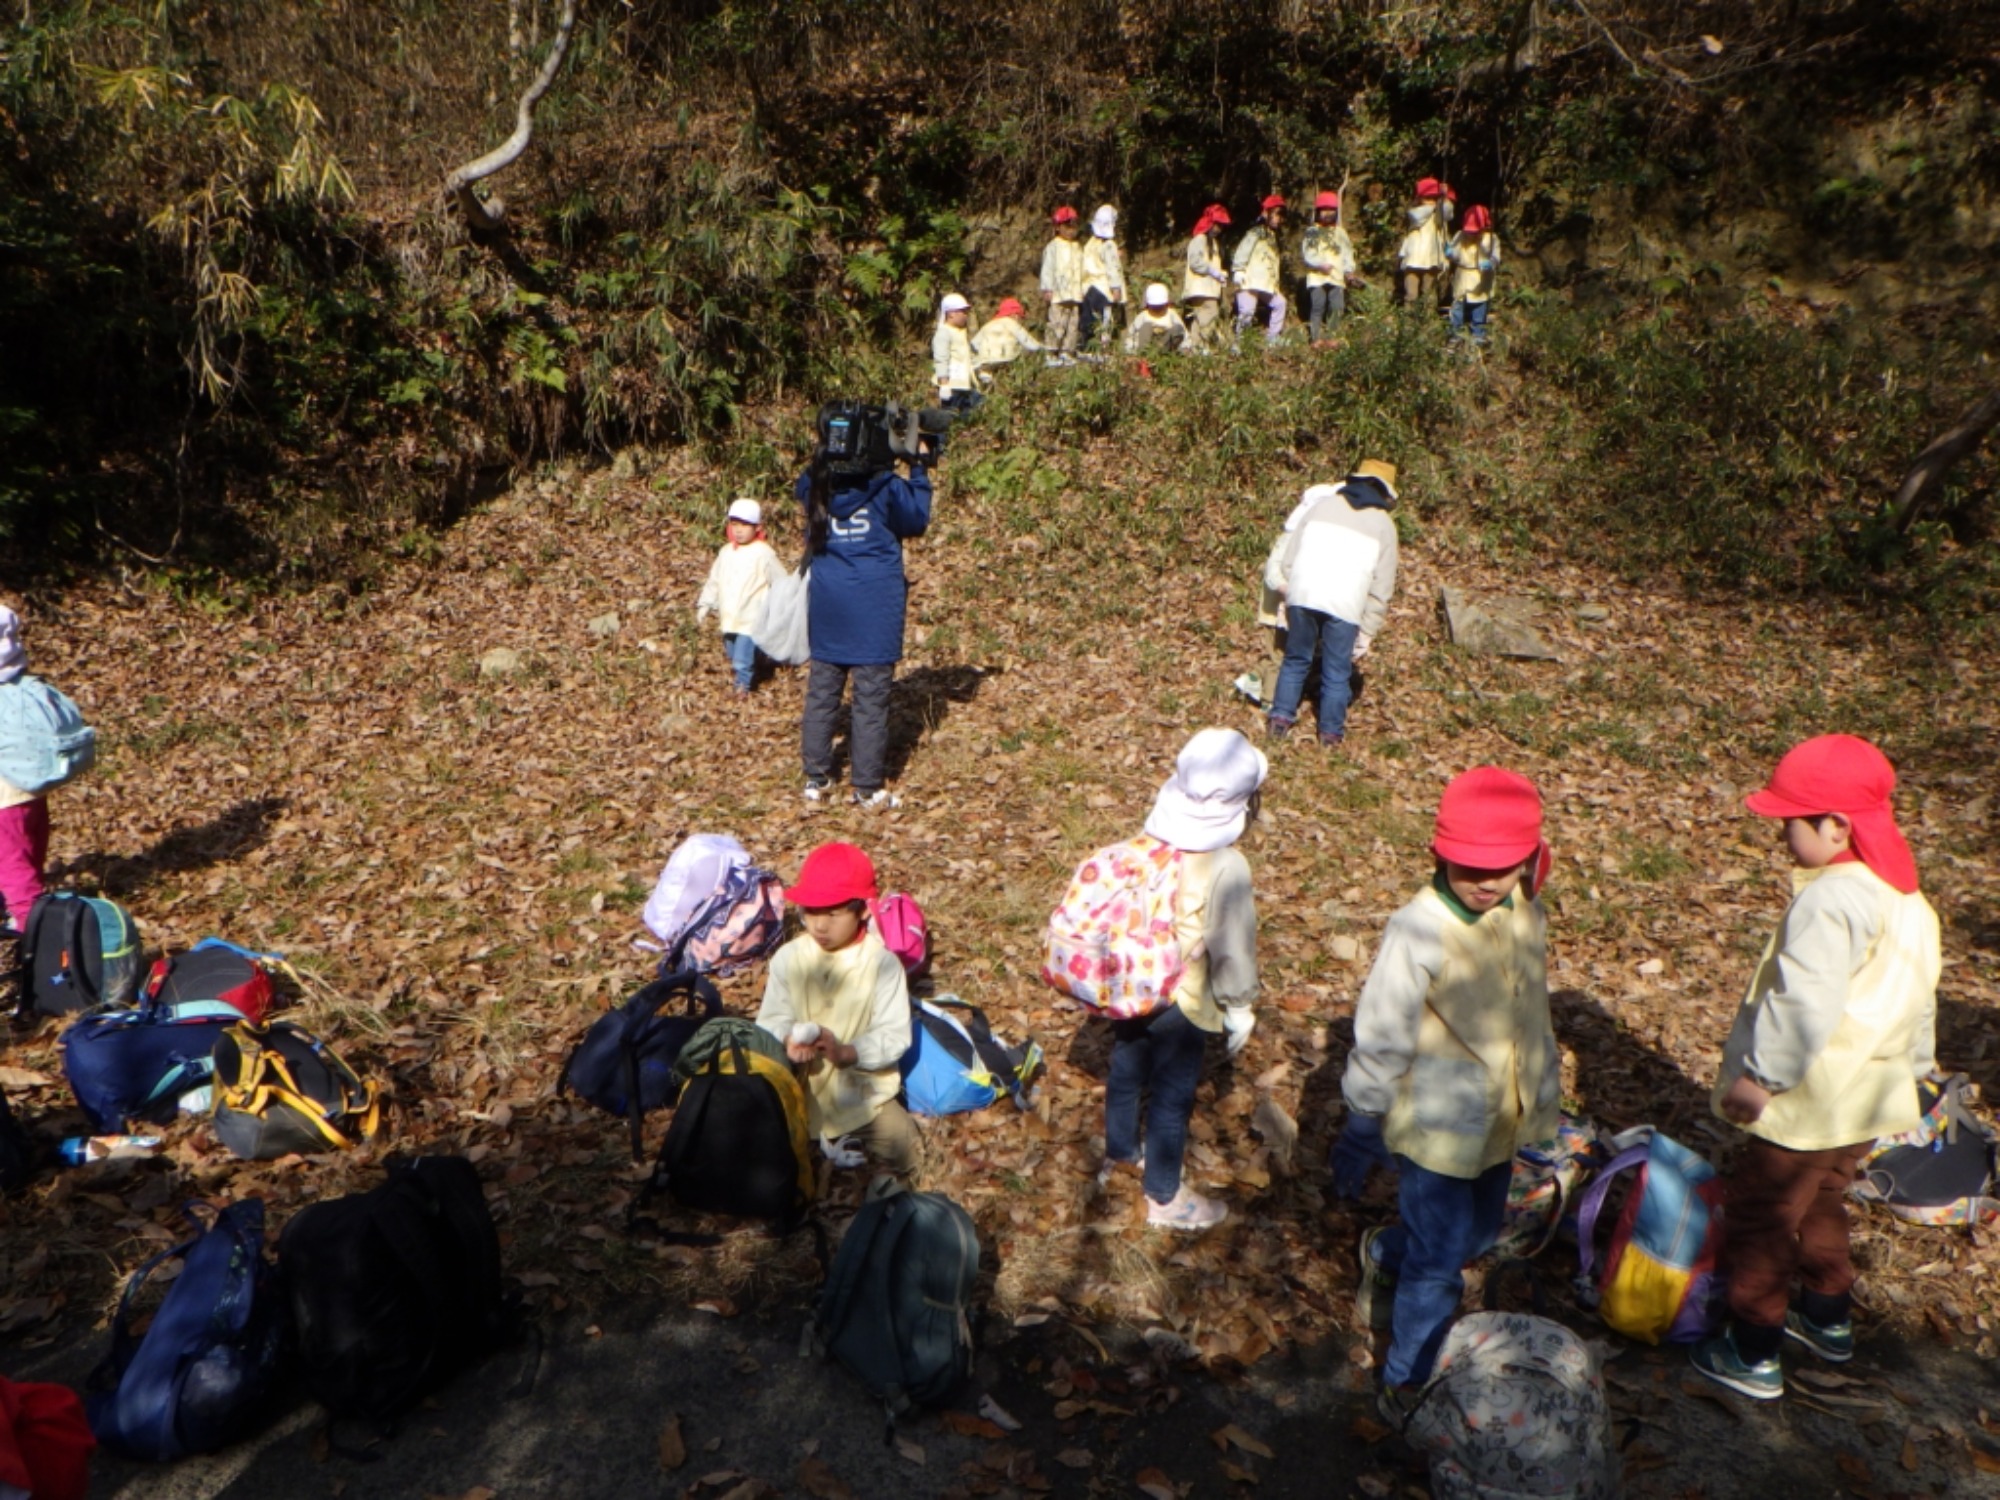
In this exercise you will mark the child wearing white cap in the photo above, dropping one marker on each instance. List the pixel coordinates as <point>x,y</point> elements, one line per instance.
<point>1159,329</point>
<point>951,355</point>
<point>1200,812</point>
<point>742,573</point>
<point>1103,276</point>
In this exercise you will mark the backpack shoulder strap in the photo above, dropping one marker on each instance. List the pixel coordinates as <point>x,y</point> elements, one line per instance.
<point>992,1056</point>
<point>839,1297</point>
<point>1591,1203</point>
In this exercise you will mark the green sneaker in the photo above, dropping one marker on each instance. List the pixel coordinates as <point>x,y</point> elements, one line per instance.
<point>1832,1342</point>
<point>1718,1360</point>
<point>1375,1291</point>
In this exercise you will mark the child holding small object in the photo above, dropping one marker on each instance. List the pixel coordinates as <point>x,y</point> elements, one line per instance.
<point>1103,277</point>
<point>742,573</point>
<point>1062,284</point>
<point>1258,266</point>
<point>839,1001</point>
<point>1839,1024</point>
<point>1329,257</point>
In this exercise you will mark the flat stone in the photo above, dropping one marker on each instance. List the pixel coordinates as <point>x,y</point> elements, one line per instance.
<point>1592,614</point>
<point>604,625</point>
<point>1498,626</point>
<point>501,661</point>
<point>1345,949</point>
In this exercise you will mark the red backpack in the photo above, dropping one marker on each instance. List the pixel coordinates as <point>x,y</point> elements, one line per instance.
<point>212,970</point>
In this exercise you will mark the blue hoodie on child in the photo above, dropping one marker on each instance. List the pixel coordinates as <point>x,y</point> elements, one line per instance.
<point>856,600</point>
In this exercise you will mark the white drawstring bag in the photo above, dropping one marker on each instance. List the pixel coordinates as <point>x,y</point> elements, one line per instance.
<point>780,631</point>
<point>694,873</point>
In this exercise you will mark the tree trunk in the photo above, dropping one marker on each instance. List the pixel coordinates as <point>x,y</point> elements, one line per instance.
<point>481,215</point>
<point>1931,465</point>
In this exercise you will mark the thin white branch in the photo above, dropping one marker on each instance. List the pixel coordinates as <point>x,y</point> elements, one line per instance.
<point>458,184</point>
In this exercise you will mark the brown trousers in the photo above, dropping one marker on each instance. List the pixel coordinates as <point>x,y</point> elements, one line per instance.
<point>893,1142</point>
<point>1419,287</point>
<point>1202,317</point>
<point>1785,1218</point>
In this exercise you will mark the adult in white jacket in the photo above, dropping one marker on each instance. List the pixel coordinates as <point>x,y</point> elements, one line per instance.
<point>1337,572</point>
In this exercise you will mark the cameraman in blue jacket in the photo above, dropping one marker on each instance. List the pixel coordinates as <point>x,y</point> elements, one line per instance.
<point>856,599</point>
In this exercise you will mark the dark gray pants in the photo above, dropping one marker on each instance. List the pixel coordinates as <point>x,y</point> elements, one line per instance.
<point>1324,306</point>
<point>868,725</point>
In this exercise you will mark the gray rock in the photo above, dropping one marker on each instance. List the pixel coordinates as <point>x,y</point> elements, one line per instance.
<point>604,626</point>
<point>501,661</point>
<point>1499,626</point>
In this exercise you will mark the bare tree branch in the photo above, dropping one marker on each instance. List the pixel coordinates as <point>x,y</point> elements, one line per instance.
<point>1936,460</point>
<point>483,215</point>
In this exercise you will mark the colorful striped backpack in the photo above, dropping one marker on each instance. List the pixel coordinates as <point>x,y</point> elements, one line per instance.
<point>1942,1172</point>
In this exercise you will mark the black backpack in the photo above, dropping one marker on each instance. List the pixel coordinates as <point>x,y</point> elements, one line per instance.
<point>896,1307</point>
<point>279,1089</point>
<point>78,952</point>
<point>738,1143</point>
<point>625,1062</point>
<point>394,1290</point>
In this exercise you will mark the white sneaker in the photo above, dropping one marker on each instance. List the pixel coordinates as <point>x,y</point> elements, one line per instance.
<point>1187,1210</point>
<point>819,791</point>
<point>879,800</point>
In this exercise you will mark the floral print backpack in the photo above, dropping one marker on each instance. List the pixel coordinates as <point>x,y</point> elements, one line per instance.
<point>1111,944</point>
<point>1515,1409</point>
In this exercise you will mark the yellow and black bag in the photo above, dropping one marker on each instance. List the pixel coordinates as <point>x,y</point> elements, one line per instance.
<point>280,1089</point>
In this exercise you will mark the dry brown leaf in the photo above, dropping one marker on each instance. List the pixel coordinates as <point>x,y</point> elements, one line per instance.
<point>1074,1458</point>
<point>1233,1436</point>
<point>816,1479</point>
<point>1155,1483</point>
<point>967,1425</point>
<point>912,1451</point>
<point>673,1448</point>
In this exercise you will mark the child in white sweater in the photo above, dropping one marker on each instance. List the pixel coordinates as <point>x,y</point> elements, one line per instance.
<point>742,573</point>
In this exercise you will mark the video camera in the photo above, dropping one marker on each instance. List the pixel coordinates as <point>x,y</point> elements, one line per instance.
<point>859,439</point>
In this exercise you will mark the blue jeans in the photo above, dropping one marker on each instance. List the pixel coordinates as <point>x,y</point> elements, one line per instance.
<point>742,656</point>
<point>1447,1221</point>
<point>1308,632</point>
<point>1162,1053</point>
<point>1473,313</point>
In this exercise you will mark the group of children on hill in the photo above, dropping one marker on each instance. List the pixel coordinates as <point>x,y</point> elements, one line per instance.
<point>1454,1065</point>
<point>1082,282</point>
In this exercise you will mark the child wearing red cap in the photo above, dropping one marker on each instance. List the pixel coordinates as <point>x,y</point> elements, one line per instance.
<point>1837,1027</point>
<point>1205,280</point>
<point>1474,257</point>
<point>1002,339</point>
<point>1454,1065</point>
<point>838,1000</point>
<point>1062,284</point>
<point>1329,257</point>
<point>1422,254</point>
<point>1259,268</point>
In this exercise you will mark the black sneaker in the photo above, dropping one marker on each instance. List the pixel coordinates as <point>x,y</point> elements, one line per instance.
<point>1375,1291</point>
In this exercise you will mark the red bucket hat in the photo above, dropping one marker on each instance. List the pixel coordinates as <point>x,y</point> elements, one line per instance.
<point>1063,215</point>
<point>1489,819</point>
<point>1326,200</point>
<point>1843,773</point>
<point>833,874</point>
<point>1429,187</point>
<point>1276,200</point>
<point>1477,219</point>
<point>1010,307</point>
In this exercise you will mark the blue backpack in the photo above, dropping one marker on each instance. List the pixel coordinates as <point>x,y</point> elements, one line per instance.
<point>201,1374</point>
<point>955,1063</point>
<point>43,739</point>
<point>136,1064</point>
<point>625,1062</point>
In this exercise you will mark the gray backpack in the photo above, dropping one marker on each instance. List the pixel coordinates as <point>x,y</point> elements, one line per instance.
<point>896,1306</point>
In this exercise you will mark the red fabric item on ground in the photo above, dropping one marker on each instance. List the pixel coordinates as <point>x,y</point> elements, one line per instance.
<point>45,1441</point>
